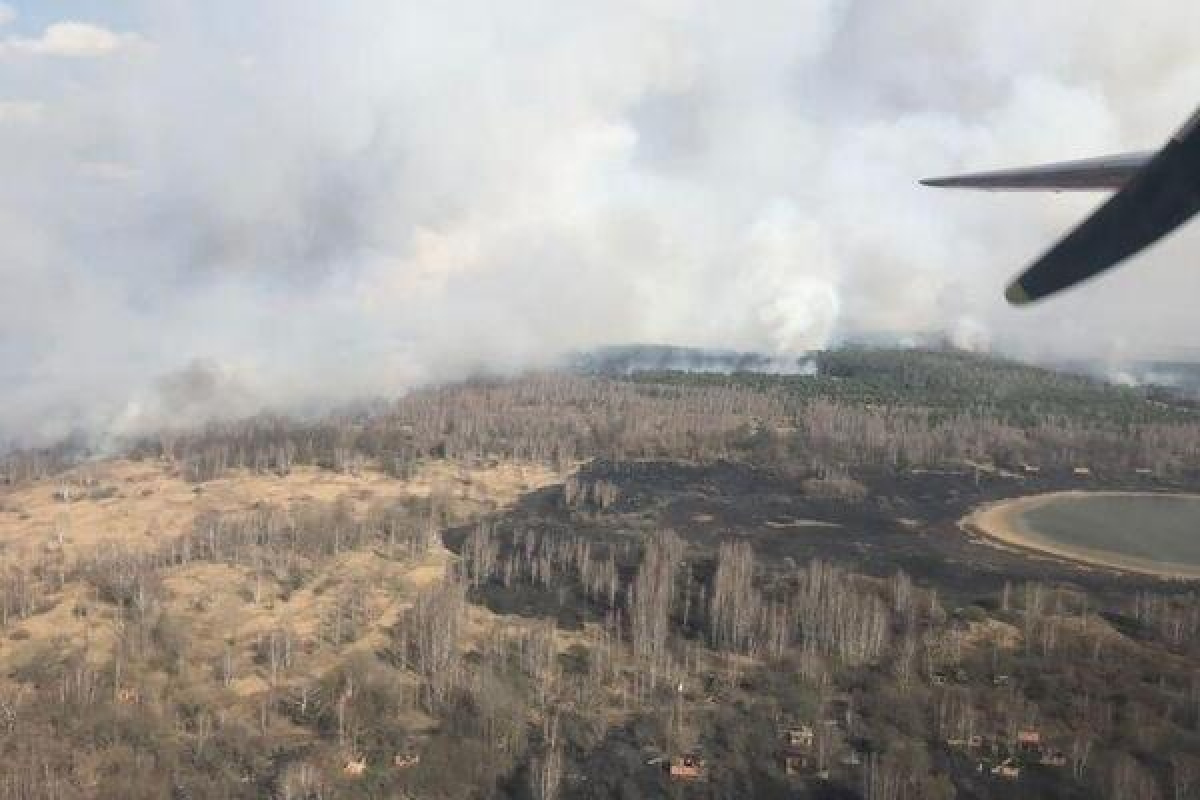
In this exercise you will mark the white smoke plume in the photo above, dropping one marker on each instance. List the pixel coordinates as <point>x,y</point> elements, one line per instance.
<point>215,207</point>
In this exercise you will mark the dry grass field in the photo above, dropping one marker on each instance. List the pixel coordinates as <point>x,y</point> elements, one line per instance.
<point>135,504</point>
<point>219,615</point>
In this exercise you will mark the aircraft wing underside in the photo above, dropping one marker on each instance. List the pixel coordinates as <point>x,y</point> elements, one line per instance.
<point>1156,193</point>
<point>1106,172</point>
<point>1158,198</point>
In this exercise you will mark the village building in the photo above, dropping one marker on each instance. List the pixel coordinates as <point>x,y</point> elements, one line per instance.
<point>800,736</point>
<point>1029,741</point>
<point>689,767</point>
<point>797,763</point>
<point>797,749</point>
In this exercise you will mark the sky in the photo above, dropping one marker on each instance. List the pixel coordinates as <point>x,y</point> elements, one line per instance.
<point>214,208</point>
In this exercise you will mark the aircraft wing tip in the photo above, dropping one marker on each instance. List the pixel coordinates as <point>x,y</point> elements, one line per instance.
<point>1017,295</point>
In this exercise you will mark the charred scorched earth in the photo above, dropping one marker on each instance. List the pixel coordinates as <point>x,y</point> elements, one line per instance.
<point>627,585</point>
<point>990,672</point>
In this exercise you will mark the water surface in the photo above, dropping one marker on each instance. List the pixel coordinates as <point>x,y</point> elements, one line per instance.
<point>1153,528</point>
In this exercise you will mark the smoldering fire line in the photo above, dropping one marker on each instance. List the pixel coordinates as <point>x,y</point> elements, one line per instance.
<point>361,219</point>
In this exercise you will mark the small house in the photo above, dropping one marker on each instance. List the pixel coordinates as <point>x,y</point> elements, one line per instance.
<point>690,767</point>
<point>406,760</point>
<point>355,767</point>
<point>796,762</point>
<point>800,736</point>
<point>1054,758</point>
<point>1007,769</point>
<point>1029,741</point>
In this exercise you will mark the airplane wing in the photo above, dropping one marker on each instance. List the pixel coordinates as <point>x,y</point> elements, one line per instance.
<point>1106,172</point>
<point>1156,200</point>
<point>1157,192</point>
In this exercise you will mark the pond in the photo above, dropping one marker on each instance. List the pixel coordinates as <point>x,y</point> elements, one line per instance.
<point>1143,532</point>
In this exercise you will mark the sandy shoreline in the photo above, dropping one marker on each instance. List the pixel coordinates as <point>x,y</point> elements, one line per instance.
<point>1002,521</point>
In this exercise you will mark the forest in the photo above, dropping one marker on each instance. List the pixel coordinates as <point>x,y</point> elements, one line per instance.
<point>699,585</point>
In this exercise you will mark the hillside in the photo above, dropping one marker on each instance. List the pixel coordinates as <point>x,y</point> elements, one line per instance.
<point>560,585</point>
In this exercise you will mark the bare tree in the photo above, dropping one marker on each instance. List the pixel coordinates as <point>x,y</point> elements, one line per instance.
<point>432,630</point>
<point>735,605</point>
<point>650,602</point>
<point>546,771</point>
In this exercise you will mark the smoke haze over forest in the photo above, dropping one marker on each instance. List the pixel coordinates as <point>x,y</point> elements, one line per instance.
<point>216,207</point>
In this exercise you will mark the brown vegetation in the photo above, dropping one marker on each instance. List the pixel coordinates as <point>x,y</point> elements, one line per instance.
<point>267,608</point>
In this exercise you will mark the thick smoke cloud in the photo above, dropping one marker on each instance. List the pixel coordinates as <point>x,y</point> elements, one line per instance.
<point>215,207</point>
